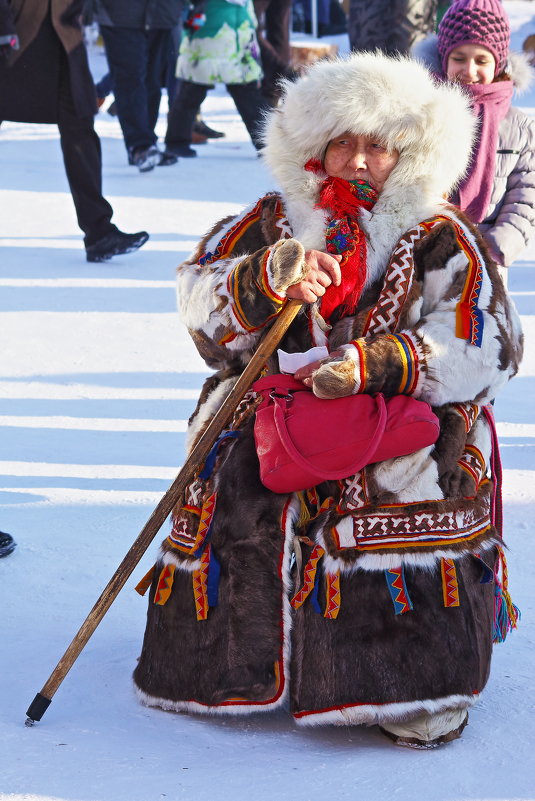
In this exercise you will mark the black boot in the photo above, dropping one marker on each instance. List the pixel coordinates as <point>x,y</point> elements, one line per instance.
<point>117,243</point>
<point>7,544</point>
<point>200,127</point>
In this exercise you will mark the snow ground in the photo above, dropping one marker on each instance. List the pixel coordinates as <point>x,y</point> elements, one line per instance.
<point>97,380</point>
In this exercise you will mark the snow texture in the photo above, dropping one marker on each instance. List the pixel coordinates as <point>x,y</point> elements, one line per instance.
<point>97,380</point>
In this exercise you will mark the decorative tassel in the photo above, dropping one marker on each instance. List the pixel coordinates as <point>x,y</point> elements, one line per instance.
<point>205,524</point>
<point>309,577</point>
<point>315,595</point>
<point>165,585</point>
<point>334,599</point>
<point>304,514</point>
<point>200,586</point>
<point>506,613</point>
<point>214,572</point>
<point>142,586</point>
<point>450,585</point>
<point>210,460</point>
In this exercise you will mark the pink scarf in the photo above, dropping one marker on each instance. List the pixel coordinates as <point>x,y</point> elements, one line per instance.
<point>490,104</point>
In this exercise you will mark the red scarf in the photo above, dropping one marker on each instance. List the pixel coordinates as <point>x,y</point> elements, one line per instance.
<point>343,201</point>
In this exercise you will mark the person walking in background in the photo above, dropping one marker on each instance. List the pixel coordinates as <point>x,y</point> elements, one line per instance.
<point>393,26</point>
<point>219,46</point>
<point>47,80</point>
<point>498,191</point>
<point>137,36</point>
<point>273,33</point>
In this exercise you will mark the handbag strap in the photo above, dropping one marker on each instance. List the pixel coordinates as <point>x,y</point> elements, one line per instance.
<point>496,470</point>
<point>280,404</point>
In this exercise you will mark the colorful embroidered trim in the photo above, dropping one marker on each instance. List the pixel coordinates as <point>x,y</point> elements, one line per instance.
<point>450,584</point>
<point>469,316</point>
<point>181,539</point>
<point>265,285</point>
<point>359,345</point>
<point>228,240</point>
<point>233,287</point>
<point>214,573</point>
<point>333,597</point>
<point>143,585</point>
<point>230,337</point>
<point>309,576</point>
<point>473,463</point>
<point>165,585</point>
<point>409,363</point>
<point>210,460</point>
<point>354,493</point>
<point>384,316</point>
<point>395,580</point>
<point>200,586</point>
<point>469,413</point>
<point>425,528</point>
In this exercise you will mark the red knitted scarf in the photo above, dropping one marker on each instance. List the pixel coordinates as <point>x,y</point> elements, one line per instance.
<point>343,201</point>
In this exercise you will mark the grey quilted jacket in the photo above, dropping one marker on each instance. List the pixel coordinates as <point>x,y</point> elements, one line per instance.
<point>510,221</point>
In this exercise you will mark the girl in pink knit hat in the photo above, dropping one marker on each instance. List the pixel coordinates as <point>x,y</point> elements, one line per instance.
<point>498,190</point>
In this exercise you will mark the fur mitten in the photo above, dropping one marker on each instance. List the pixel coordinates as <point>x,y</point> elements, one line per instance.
<point>338,376</point>
<point>288,265</point>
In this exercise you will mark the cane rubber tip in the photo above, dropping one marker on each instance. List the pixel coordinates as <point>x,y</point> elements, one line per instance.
<point>29,722</point>
<point>37,708</point>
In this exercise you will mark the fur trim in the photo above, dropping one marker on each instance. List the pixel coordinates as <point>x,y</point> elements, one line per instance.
<point>208,410</point>
<point>520,70</point>
<point>181,562</point>
<point>371,714</point>
<point>377,562</point>
<point>396,99</point>
<point>202,709</point>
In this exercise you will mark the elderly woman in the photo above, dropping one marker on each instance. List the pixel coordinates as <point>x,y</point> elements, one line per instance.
<point>368,600</point>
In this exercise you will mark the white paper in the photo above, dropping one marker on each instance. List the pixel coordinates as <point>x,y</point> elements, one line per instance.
<point>290,362</point>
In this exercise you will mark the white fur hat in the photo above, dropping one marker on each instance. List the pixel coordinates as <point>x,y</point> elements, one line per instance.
<point>393,98</point>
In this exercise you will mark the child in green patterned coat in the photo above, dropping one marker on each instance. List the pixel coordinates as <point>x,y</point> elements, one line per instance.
<point>220,46</point>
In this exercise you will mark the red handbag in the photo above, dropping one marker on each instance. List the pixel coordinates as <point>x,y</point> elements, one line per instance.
<point>302,440</point>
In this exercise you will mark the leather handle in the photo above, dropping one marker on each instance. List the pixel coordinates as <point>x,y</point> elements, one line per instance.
<point>289,446</point>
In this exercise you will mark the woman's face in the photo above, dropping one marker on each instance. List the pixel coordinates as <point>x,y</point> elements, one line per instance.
<point>359,158</point>
<point>471,64</point>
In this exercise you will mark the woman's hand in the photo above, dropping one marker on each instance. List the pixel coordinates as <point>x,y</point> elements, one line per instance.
<point>323,269</point>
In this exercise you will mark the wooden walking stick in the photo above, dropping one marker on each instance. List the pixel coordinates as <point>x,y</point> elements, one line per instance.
<point>191,466</point>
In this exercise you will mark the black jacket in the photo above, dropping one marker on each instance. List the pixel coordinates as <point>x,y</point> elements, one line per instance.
<point>51,46</point>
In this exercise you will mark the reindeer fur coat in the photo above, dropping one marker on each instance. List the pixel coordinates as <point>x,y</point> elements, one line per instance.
<point>369,599</point>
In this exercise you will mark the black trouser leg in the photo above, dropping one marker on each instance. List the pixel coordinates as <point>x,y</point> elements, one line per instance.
<point>134,76</point>
<point>83,164</point>
<point>182,113</point>
<point>273,36</point>
<point>251,106</point>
